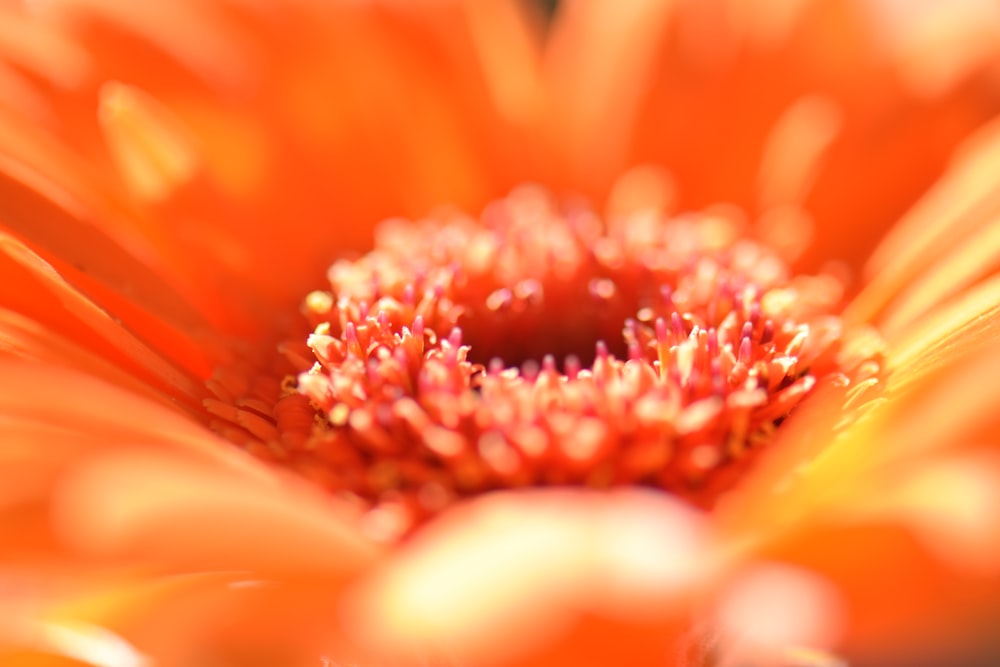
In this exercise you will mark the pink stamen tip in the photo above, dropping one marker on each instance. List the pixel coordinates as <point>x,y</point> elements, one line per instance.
<point>634,352</point>
<point>494,367</point>
<point>601,349</point>
<point>747,332</point>
<point>677,325</point>
<point>572,366</point>
<point>363,310</point>
<point>418,326</point>
<point>409,295</point>
<point>383,319</point>
<point>661,330</point>
<point>745,351</point>
<point>767,335</point>
<point>549,364</point>
<point>455,337</point>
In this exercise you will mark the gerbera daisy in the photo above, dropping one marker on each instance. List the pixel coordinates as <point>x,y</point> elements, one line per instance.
<point>670,405</point>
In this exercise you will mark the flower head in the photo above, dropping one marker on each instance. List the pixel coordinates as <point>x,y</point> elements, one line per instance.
<point>536,347</point>
<point>603,420</point>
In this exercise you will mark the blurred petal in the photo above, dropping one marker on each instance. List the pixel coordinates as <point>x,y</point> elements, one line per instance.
<point>903,500</point>
<point>792,156</point>
<point>915,562</point>
<point>953,507</point>
<point>916,420</point>
<point>770,608</point>
<point>192,32</point>
<point>196,516</point>
<point>940,231</point>
<point>152,150</point>
<point>192,619</point>
<point>938,43</point>
<point>511,573</point>
<point>711,87</point>
<point>145,484</point>
<point>600,61</point>
<point>956,327</point>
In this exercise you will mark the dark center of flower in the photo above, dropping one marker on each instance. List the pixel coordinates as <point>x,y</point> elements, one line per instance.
<point>541,346</point>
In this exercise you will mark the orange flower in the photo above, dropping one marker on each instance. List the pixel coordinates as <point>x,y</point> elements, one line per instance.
<point>189,479</point>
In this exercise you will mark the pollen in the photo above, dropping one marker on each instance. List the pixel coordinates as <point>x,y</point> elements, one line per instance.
<point>539,345</point>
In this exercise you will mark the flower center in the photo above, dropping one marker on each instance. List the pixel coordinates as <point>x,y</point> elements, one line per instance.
<point>541,346</point>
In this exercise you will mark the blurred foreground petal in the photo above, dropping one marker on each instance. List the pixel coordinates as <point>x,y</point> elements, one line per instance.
<point>540,577</point>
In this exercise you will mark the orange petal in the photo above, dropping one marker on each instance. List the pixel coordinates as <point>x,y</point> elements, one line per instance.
<point>327,150</point>
<point>33,288</point>
<point>927,408</point>
<point>108,274</point>
<point>793,153</point>
<point>959,208</point>
<point>951,504</point>
<point>136,619</point>
<point>969,261</point>
<point>42,393</point>
<point>153,151</point>
<point>192,499</point>
<point>929,535</point>
<point>955,327</point>
<point>600,61</point>
<point>769,609</point>
<point>184,514</point>
<point>192,32</point>
<point>42,49</point>
<point>516,573</point>
<point>937,45</point>
<point>508,44</point>
<point>24,338</point>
